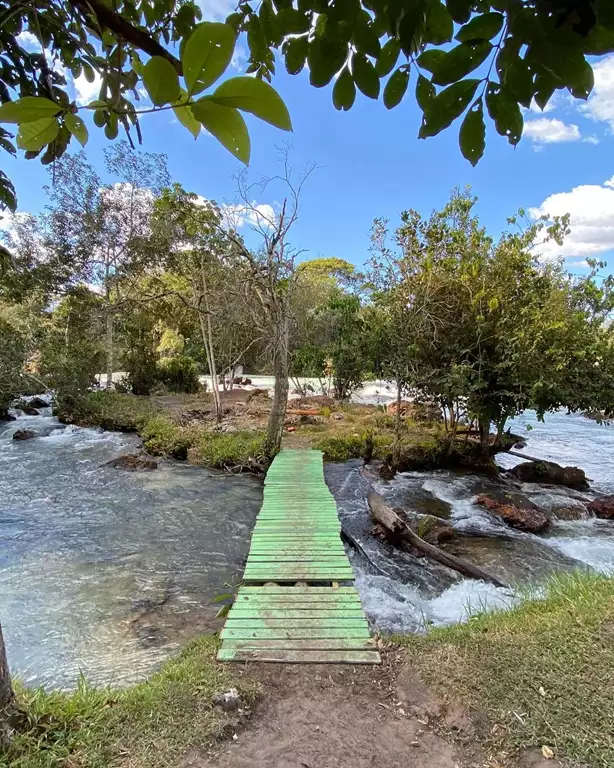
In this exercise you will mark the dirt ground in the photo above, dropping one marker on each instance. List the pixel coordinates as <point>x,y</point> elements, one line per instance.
<point>333,716</point>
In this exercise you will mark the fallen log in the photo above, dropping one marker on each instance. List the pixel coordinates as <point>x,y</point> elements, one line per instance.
<point>523,456</point>
<point>392,523</point>
<point>352,542</point>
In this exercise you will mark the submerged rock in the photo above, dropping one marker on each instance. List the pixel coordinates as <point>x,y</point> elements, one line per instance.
<point>29,410</point>
<point>527,519</point>
<point>133,462</point>
<point>24,434</point>
<point>6,416</point>
<point>561,507</point>
<point>549,472</point>
<point>603,507</point>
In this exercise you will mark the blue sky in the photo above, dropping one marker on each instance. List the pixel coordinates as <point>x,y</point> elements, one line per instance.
<point>371,163</point>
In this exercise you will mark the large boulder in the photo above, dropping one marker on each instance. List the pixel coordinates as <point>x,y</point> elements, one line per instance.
<point>133,462</point>
<point>531,520</point>
<point>29,410</point>
<point>550,473</point>
<point>24,434</point>
<point>38,402</point>
<point>603,507</point>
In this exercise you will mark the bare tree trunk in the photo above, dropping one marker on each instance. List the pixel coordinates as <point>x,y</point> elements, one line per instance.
<point>277,415</point>
<point>109,345</point>
<point>484,423</point>
<point>6,693</point>
<point>205,329</point>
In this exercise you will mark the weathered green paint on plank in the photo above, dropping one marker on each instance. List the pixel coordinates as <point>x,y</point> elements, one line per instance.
<point>295,633</point>
<point>289,624</point>
<point>304,590</point>
<point>305,644</point>
<point>297,539</point>
<point>266,611</point>
<point>301,657</point>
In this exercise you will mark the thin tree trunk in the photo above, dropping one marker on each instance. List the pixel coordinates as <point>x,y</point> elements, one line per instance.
<point>6,693</point>
<point>484,423</point>
<point>396,453</point>
<point>109,345</point>
<point>215,390</point>
<point>277,415</point>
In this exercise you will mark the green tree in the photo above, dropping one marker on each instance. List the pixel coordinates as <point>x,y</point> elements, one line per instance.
<point>12,360</point>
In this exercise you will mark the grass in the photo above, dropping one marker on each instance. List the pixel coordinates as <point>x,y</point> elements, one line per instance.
<point>541,673</point>
<point>222,451</point>
<point>149,725</point>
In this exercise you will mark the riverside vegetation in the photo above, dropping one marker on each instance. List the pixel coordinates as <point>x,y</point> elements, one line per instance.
<point>472,330</point>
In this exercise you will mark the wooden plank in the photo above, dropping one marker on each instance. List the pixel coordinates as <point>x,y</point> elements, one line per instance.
<point>266,612</point>
<point>299,599</point>
<point>300,657</point>
<point>290,624</point>
<point>297,557</point>
<point>305,644</point>
<point>295,633</point>
<point>297,590</point>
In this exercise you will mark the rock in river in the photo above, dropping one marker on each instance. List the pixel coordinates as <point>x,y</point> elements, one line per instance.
<point>38,402</point>
<point>24,434</point>
<point>603,507</point>
<point>527,519</point>
<point>133,462</point>
<point>549,472</point>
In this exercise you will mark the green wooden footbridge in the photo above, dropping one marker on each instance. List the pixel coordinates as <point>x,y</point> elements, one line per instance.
<point>297,603</point>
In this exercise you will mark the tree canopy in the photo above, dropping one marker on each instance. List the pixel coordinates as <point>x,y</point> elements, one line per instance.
<point>471,57</point>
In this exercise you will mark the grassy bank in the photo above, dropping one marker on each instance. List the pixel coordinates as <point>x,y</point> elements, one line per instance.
<point>148,725</point>
<point>164,435</point>
<point>540,674</point>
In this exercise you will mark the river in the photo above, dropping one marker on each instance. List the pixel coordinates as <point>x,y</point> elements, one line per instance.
<point>106,572</point>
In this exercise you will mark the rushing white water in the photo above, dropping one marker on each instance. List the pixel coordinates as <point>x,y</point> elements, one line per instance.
<point>104,571</point>
<point>418,593</point>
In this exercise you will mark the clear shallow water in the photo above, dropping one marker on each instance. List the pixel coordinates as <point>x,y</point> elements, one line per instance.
<point>104,571</point>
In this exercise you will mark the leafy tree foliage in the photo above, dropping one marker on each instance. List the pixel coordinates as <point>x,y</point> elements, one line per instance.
<point>491,330</point>
<point>461,57</point>
<point>12,359</point>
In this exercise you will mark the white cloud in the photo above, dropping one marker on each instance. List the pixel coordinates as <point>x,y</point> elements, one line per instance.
<point>239,58</point>
<point>546,130</point>
<point>28,41</point>
<point>261,215</point>
<point>85,91</point>
<point>217,10</point>
<point>591,209</point>
<point>600,105</point>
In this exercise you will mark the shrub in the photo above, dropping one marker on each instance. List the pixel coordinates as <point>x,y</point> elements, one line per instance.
<point>109,410</point>
<point>222,451</point>
<point>342,447</point>
<point>163,437</point>
<point>179,374</point>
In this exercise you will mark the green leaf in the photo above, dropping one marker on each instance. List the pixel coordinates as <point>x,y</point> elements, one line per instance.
<point>396,87</point>
<point>444,108</point>
<point>207,54</point>
<point>439,23</point>
<point>388,57</point>
<point>27,109</point>
<point>460,61</point>
<point>431,59</point>
<point>161,81</point>
<point>35,135</point>
<point>605,13</point>
<point>77,127</point>
<point>292,22</point>
<point>8,198</point>
<point>366,38</point>
<point>493,303</point>
<point>425,92</point>
<point>111,129</point>
<point>88,72</point>
<point>506,113</point>
<point>295,51</point>
<point>186,117</point>
<point>365,75</point>
<point>472,137</point>
<point>255,96</point>
<point>483,27</point>
<point>460,10</point>
<point>100,117</point>
<point>344,92</point>
<point>582,81</point>
<point>226,124</point>
<point>325,59</point>
<point>518,78</point>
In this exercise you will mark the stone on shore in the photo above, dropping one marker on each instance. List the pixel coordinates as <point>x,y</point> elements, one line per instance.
<point>550,473</point>
<point>133,462</point>
<point>531,520</point>
<point>603,507</point>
